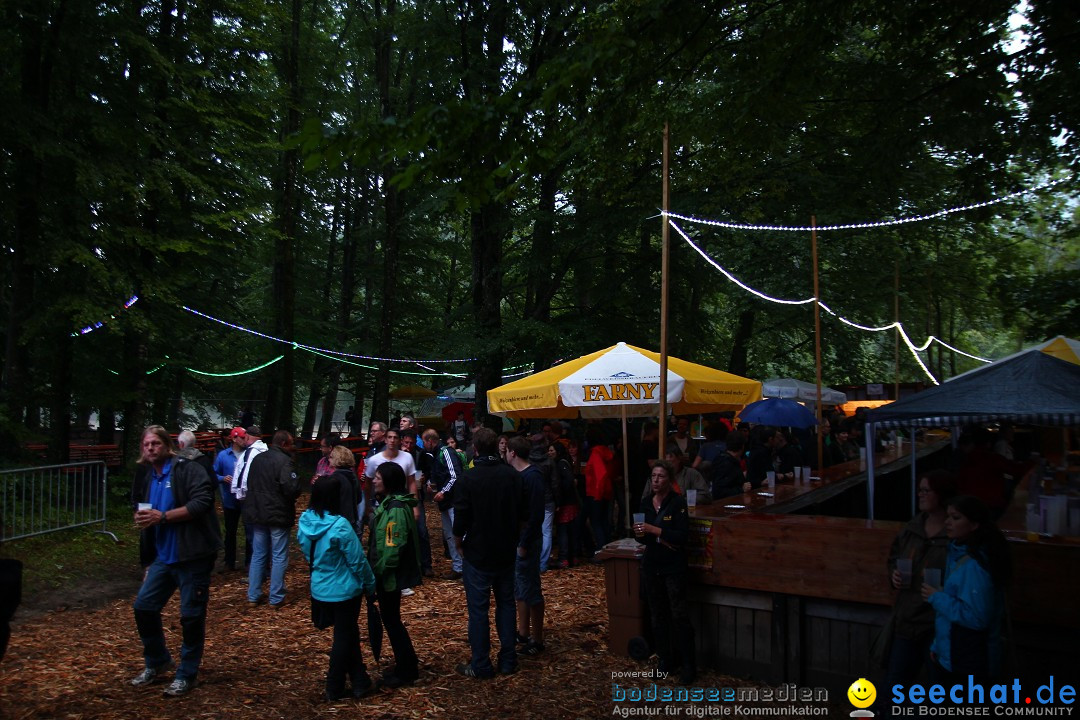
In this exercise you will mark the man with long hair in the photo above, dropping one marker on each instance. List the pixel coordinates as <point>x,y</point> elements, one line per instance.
<point>180,527</point>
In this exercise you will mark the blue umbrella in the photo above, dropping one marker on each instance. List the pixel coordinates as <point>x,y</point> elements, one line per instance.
<point>778,412</point>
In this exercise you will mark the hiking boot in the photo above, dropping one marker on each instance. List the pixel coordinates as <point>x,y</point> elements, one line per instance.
<point>508,669</point>
<point>152,675</point>
<point>178,687</point>
<point>467,670</point>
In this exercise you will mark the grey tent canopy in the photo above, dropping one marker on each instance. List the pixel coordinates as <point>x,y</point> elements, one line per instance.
<point>1031,387</point>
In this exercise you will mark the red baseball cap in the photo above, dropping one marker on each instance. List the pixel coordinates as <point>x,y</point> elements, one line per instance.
<point>237,432</point>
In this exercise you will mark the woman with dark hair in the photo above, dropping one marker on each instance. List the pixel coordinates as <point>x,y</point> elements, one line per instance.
<point>340,576</point>
<point>970,607</point>
<point>397,565</point>
<point>352,502</point>
<point>665,532</point>
<point>922,545</point>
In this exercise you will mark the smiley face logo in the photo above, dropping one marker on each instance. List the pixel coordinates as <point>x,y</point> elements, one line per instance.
<point>862,693</point>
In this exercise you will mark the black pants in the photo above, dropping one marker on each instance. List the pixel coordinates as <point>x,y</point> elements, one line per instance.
<point>345,657</point>
<point>232,523</point>
<point>673,635</point>
<point>407,664</point>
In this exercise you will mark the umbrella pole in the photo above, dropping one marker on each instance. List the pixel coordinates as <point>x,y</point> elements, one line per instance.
<point>626,470</point>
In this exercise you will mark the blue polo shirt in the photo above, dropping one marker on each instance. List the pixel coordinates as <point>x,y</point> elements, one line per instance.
<point>161,498</point>
<point>224,465</point>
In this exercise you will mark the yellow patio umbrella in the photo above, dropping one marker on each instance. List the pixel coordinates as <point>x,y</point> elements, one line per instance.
<point>1063,348</point>
<point>621,381</point>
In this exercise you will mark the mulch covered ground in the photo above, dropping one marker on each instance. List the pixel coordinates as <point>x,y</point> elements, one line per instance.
<point>271,664</point>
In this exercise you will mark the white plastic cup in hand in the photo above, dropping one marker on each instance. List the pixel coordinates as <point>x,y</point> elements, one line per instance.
<point>691,497</point>
<point>932,577</point>
<point>806,473</point>
<point>770,479</point>
<point>903,566</point>
<point>145,506</point>
<point>639,519</point>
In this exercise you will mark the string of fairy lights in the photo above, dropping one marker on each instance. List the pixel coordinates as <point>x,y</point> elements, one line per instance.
<point>341,356</point>
<point>897,325</point>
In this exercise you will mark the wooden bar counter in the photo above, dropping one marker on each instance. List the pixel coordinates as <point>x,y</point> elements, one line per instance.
<point>800,598</point>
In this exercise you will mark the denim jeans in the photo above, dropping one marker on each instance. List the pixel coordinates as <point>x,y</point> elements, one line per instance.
<point>272,541</point>
<point>448,536</point>
<point>546,535</point>
<point>193,580</point>
<point>479,585</point>
<point>907,657</point>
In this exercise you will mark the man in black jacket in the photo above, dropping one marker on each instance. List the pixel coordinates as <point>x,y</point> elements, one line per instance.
<point>726,473</point>
<point>270,508</point>
<point>489,509</point>
<point>176,515</point>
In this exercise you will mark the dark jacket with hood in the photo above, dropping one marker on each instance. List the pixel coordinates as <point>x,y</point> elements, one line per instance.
<point>194,489</point>
<point>273,487</point>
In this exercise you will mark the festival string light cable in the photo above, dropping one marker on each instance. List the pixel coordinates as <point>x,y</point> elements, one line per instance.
<point>876,224</point>
<point>257,368</point>
<point>91,328</point>
<point>319,349</point>
<point>898,326</point>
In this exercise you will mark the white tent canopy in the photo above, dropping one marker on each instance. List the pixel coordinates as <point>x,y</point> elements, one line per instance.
<point>792,389</point>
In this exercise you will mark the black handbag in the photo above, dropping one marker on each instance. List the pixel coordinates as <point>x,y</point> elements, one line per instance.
<point>322,615</point>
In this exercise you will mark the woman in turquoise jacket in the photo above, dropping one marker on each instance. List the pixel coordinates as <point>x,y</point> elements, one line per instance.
<point>970,607</point>
<point>397,566</point>
<point>340,576</point>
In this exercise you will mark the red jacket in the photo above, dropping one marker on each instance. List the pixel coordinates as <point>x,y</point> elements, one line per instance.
<point>600,473</point>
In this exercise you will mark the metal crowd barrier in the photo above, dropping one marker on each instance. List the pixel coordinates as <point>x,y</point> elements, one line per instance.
<point>45,499</point>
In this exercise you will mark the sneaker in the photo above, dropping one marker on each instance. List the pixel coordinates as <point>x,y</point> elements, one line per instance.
<point>363,690</point>
<point>508,669</point>
<point>520,639</point>
<point>178,687</point>
<point>532,649</point>
<point>279,605</point>
<point>151,675</point>
<point>407,592</point>
<point>454,575</point>
<point>467,670</point>
<point>429,573</point>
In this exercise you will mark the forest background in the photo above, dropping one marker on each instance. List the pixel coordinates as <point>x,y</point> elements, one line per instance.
<point>481,179</point>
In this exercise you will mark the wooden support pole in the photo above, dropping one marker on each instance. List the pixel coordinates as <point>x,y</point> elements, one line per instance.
<point>665,236</point>
<point>817,343</point>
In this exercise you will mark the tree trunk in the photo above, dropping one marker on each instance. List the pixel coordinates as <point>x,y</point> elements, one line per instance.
<point>284,274</point>
<point>744,331</point>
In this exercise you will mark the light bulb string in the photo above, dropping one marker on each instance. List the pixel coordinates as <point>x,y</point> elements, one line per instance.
<point>869,225</point>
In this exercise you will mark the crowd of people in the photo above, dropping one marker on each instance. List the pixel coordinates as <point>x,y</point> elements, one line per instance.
<point>512,507</point>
